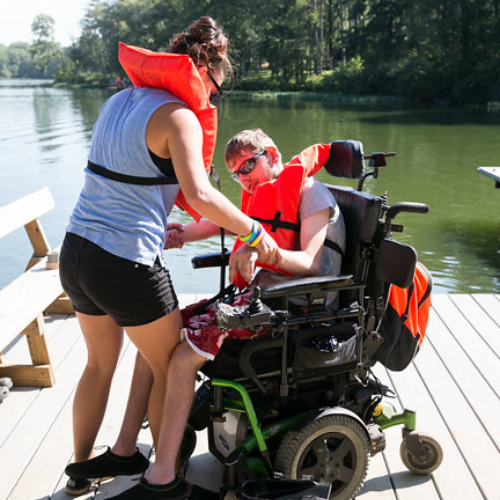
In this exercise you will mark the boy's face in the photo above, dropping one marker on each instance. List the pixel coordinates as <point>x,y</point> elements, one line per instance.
<point>251,169</point>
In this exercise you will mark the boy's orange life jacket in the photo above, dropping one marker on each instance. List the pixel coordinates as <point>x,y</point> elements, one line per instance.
<point>275,204</point>
<point>177,74</point>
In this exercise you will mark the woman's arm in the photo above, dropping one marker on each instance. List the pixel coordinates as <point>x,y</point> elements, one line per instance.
<point>183,135</point>
<point>304,262</point>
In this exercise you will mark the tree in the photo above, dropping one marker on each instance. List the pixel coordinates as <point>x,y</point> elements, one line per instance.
<point>44,51</point>
<point>4,62</point>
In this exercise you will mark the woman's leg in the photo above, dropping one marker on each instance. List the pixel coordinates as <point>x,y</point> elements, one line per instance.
<point>104,339</point>
<point>156,342</point>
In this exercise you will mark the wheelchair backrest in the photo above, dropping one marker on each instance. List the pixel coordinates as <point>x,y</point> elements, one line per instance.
<point>362,212</point>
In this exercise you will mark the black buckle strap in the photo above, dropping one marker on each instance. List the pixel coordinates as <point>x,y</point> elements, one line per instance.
<point>130,179</point>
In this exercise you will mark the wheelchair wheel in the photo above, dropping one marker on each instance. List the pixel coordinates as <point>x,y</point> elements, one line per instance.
<point>332,449</point>
<point>421,456</point>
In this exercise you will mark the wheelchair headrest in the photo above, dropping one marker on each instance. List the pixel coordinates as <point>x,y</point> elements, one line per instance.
<point>346,159</point>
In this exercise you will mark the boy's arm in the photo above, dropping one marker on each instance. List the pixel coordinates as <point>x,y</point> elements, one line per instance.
<point>306,261</point>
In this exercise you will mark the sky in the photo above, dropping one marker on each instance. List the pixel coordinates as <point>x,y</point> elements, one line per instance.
<point>16,17</point>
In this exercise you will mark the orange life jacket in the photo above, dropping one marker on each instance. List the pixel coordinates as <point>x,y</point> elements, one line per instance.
<point>177,74</point>
<point>275,204</point>
<point>404,323</point>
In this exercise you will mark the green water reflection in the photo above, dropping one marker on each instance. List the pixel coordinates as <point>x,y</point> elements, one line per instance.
<point>45,132</point>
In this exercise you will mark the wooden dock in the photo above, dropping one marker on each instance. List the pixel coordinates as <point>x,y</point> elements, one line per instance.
<point>454,384</point>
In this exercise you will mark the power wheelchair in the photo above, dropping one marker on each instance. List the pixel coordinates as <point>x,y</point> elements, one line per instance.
<point>299,413</point>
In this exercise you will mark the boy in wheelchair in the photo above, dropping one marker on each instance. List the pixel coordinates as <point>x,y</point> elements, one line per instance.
<point>295,208</point>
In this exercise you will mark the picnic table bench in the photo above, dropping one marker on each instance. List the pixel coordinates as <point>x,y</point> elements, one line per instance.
<point>38,290</point>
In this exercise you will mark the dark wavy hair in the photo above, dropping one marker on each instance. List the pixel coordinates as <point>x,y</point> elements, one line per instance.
<point>205,42</point>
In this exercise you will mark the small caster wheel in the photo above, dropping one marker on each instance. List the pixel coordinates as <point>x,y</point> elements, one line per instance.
<point>420,453</point>
<point>4,392</point>
<point>6,382</point>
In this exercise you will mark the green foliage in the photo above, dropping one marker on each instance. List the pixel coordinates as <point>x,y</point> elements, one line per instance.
<point>4,62</point>
<point>426,50</point>
<point>45,53</point>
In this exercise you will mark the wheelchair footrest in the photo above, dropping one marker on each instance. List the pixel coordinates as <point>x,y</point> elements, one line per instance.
<point>283,489</point>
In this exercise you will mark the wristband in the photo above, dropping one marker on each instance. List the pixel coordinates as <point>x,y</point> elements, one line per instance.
<point>253,234</point>
<point>258,237</point>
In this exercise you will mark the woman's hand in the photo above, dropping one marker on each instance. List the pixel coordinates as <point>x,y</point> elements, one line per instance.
<point>243,261</point>
<point>174,237</point>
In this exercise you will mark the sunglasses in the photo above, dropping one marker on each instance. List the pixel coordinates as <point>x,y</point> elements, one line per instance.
<point>220,93</point>
<point>247,166</point>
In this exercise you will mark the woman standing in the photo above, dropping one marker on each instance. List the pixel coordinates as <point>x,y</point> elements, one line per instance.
<point>111,262</point>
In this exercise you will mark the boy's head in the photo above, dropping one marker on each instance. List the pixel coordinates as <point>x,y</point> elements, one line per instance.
<point>252,158</point>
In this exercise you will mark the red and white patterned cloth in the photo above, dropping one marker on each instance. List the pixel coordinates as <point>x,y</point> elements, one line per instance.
<point>204,336</point>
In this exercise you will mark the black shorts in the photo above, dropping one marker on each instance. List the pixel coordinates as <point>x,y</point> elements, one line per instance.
<point>98,282</point>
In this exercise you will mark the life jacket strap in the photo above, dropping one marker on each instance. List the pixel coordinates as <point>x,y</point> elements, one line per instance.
<point>335,247</point>
<point>130,179</point>
<point>277,223</point>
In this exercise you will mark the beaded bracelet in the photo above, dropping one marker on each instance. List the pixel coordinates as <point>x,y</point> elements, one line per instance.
<point>258,237</point>
<point>253,234</point>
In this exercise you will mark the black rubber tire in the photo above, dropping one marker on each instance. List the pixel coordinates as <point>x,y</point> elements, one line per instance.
<point>344,447</point>
<point>427,464</point>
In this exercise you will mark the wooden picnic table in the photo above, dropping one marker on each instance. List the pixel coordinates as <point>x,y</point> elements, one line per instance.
<point>492,173</point>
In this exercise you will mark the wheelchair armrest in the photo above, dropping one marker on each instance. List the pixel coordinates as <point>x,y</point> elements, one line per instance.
<point>211,260</point>
<point>302,286</point>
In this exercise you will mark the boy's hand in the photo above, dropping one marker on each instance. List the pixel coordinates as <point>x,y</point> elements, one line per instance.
<point>243,261</point>
<point>269,251</point>
<point>174,237</point>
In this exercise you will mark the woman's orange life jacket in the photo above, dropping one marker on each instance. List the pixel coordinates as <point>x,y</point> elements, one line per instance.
<point>275,204</point>
<point>177,74</point>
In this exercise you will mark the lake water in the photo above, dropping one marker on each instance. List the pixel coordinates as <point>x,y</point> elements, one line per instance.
<point>45,134</point>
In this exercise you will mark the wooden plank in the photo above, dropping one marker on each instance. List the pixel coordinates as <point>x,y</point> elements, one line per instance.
<point>29,375</point>
<point>33,422</point>
<point>39,242</point>
<point>20,398</point>
<point>36,423</point>
<point>62,305</point>
<point>474,443</point>
<point>481,354</point>
<point>378,485</point>
<point>408,486</point>
<point>475,386</point>
<point>45,472</point>
<point>414,393</point>
<point>490,304</point>
<point>481,320</point>
<point>24,210</point>
<point>25,298</point>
